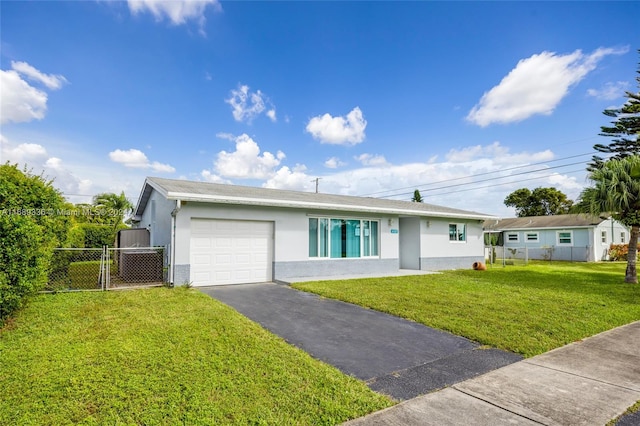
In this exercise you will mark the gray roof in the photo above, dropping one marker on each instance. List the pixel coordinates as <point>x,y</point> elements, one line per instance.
<point>206,192</point>
<point>538,222</point>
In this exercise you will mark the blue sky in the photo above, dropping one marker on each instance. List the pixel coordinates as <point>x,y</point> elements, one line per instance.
<point>466,101</point>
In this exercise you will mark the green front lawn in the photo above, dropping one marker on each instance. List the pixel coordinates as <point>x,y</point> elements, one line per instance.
<point>527,309</point>
<point>162,357</point>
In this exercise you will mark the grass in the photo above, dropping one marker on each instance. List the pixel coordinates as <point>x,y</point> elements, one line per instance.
<point>162,357</point>
<point>524,309</point>
<point>633,409</point>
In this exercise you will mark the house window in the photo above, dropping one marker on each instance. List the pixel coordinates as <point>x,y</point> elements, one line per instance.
<point>531,237</point>
<point>338,238</point>
<point>603,237</point>
<point>565,238</point>
<point>513,237</point>
<point>622,237</point>
<point>457,232</point>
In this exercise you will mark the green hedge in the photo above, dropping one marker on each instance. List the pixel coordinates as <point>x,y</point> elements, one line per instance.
<point>30,227</point>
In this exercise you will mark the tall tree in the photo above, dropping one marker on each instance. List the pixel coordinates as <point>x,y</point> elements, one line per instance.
<point>417,198</point>
<point>116,207</point>
<point>624,129</point>
<point>539,202</point>
<point>616,191</point>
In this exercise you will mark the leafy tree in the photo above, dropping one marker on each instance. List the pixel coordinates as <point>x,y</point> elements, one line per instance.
<point>32,223</point>
<point>616,190</point>
<point>115,207</point>
<point>539,202</point>
<point>624,129</point>
<point>417,198</point>
<point>96,224</point>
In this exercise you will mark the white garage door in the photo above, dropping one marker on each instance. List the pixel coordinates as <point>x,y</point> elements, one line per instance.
<point>230,251</point>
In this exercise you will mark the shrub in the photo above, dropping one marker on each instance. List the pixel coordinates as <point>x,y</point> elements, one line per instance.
<point>98,235</point>
<point>619,252</point>
<point>29,230</point>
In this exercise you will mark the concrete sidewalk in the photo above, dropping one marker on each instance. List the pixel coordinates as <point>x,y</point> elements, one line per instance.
<point>589,382</point>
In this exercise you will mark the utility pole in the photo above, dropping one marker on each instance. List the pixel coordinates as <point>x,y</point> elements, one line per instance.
<point>316,180</point>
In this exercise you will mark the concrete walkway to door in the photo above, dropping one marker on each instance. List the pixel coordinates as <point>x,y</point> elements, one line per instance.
<point>394,356</point>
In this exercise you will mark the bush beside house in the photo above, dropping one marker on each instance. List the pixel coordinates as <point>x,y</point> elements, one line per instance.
<point>619,252</point>
<point>30,227</point>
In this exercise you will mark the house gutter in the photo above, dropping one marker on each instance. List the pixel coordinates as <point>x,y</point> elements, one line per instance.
<point>172,254</point>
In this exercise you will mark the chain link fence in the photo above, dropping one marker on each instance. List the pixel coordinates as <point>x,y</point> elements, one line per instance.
<point>75,269</point>
<point>107,268</point>
<point>522,255</point>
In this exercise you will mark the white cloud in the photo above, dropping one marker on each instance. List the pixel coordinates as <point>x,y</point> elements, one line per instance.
<point>334,163</point>
<point>35,158</point>
<point>535,86</point>
<point>177,11</point>
<point>53,82</point>
<point>19,101</point>
<point>213,178</point>
<point>296,179</point>
<point>137,159</point>
<point>347,130</point>
<point>371,160</point>
<point>24,153</point>
<point>246,162</point>
<point>497,153</point>
<point>246,105</point>
<point>610,91</point>
<point>476,178</point>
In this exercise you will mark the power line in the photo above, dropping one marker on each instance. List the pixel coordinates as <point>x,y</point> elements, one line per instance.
<point>498,184</point>
<point>489,179</point>
<point>475,175</point>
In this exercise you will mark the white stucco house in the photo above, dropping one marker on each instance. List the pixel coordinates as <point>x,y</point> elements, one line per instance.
<point>226,234</point>
<point>573,237</point>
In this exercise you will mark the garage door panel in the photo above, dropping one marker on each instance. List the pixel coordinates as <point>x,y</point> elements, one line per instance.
<point>222,242</point>
<point>230,252</point>
<point>201,277</point>
<point>202,259</point>
<point>201,242</point>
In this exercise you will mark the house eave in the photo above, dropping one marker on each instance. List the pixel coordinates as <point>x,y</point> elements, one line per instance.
<point>541,228</point>
<point>204,198</point>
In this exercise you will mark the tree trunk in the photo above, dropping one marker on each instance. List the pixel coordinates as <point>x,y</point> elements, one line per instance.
<point>631,275</point>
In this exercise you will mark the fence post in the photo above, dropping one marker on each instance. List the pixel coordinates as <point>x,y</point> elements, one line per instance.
<point>105,268</point>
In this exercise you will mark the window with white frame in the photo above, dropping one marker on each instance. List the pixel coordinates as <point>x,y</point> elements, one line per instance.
<point>622,237</point>
<point>531,237</point>
<point>603,237</point>
<point>457,232</point>
<point>564,238</point>
<point>513,237</point>
<point>340,238</point>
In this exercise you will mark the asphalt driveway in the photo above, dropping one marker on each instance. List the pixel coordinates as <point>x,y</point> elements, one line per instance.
<point>394,356</point>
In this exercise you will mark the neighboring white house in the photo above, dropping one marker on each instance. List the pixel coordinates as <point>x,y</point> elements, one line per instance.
<point>577,237</point>
<point>227,234</point>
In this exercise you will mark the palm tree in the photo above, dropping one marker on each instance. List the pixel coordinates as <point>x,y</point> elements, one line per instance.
<point>616,190</point>
<point>117,206</point>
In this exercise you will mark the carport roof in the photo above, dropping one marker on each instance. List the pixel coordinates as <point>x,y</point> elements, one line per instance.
<point>206,192</point>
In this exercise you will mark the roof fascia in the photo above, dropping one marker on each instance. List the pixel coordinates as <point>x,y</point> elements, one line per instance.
<point>145,194</point>
<point>539,228</point>
<point>316,205</point>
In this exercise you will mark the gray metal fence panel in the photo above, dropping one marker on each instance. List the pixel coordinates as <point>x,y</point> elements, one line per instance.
<point>107,268</point>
